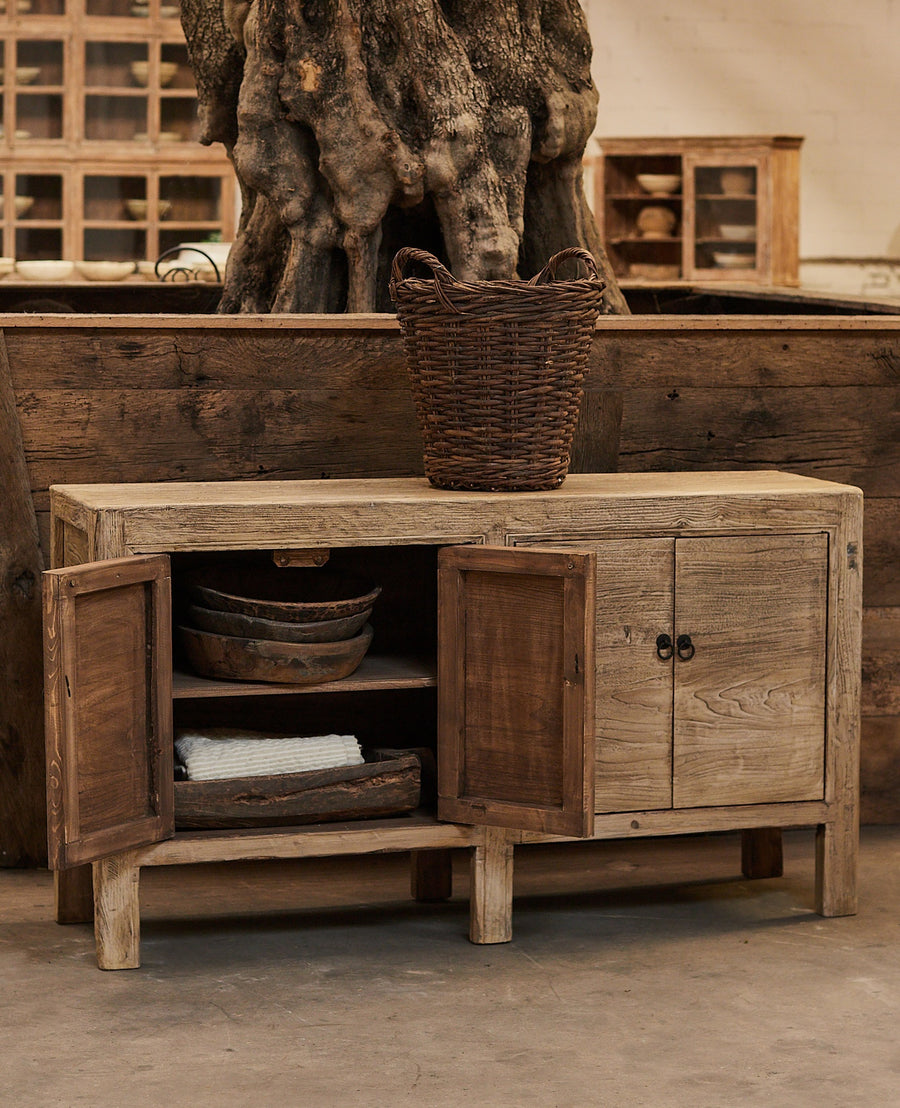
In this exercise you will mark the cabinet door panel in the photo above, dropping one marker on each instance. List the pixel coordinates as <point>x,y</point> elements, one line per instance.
<point>108,704</point>
<point>635,603</point>
<point>515,719</point>
<point>749,721</point>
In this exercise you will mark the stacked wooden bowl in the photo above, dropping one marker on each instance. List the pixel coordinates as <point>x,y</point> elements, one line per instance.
<point>264,623</point>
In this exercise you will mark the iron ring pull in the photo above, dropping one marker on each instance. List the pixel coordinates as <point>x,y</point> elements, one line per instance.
<point>684,647</point>
<point>664,648</point>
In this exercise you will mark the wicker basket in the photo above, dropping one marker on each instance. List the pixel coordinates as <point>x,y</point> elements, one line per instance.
<point>496,369</point>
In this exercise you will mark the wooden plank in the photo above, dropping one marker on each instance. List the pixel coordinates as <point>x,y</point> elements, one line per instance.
<point>635,603</point>
<point>515,712</point>
<point>880,769</point>
<point>491,888</point>
<point>881,581</point>
<point>849,435</point>
<point>109,728</point>
<point>23,837</point>
<point>117,916</point>
<point>881,662</point>
<point>755,609</point>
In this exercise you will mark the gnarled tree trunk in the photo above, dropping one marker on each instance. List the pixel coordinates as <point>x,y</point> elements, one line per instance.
<point>359,126</point>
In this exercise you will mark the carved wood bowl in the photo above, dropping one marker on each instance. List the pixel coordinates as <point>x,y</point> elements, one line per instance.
<point>252,627</point>
<point>288,595</point>
<point>238,659</point>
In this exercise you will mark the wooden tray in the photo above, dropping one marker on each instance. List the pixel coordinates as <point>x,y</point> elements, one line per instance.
<point>389,783</point>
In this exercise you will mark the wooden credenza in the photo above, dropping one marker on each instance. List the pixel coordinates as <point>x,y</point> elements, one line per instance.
<point>627,655</point>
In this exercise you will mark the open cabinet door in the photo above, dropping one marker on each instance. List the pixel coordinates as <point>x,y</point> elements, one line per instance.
<point>108,707</point>
<point>515,688</point>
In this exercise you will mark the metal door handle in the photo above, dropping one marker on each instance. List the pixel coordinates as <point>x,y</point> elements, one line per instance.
<point>684,647</point>
<point>664,648</point>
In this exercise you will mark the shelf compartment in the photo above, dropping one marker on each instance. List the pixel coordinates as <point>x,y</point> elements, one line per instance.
<point>38,116</point>
<point>114,118</point>
<point>119,244</point>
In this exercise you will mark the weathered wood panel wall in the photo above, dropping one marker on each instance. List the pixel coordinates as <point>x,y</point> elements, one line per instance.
<point>131,398</point>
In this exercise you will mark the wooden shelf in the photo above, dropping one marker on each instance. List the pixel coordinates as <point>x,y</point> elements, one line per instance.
<point>375,673</point>
<point>764,168</point>
<point>87,97</point>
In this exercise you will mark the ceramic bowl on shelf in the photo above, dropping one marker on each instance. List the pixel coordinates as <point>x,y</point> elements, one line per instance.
<point>736,182</point>
<point>738,232</point>
<point>656,222</point>
<point>24,205</point>
<point>169,11</point>
<point>138,209</point>
<point>20,134</point>
<point>7,265</point>
<point>44,269</point>
<point>104,270</point>
<point>732,261</point>
<point>27,74</point>
<point>650,271</point>
<point>659,184</point>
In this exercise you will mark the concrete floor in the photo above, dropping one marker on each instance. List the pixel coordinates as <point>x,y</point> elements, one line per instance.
<point>641,974</point>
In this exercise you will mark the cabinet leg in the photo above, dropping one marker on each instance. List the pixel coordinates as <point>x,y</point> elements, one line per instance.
<point>74,895</point>
<point>490,904</point>
<point>431,875</point>
<point>761,852</point>
<point>837,856</point>
<point>117,918</point>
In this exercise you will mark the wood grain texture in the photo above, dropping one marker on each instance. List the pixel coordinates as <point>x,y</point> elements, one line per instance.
<point>749,708</point>
<point>117,918</point>
<point>109,727</point>
<point>491,888</point>
<point>22,842</point>
<point>515,725</point>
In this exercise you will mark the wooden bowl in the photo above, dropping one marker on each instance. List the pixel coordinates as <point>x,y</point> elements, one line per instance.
<point>252,627</point>
<point>287,595</point>
<point>239,659</point>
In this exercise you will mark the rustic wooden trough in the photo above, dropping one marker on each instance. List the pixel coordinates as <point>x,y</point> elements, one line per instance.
<point>86,398</point>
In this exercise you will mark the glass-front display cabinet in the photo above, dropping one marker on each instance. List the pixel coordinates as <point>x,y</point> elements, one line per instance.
<point>700,209</point>
<point>99,150</point>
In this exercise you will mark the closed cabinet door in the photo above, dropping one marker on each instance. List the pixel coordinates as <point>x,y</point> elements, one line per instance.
<point>710,671</point>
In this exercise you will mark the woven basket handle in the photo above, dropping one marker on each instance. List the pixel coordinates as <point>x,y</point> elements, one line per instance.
<point>443,278</point>
<point>549,270</point>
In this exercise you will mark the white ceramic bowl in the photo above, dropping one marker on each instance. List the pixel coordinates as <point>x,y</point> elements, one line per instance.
<point>104,270</point>
<point>44,270</point>
<point>659,184</point>
<point>733,261</point>
<point>738,232</point>
<point>26,74</point>
<point>7,265</point>
<point>24,205</point>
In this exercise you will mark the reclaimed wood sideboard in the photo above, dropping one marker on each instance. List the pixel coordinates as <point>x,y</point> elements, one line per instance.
<point>627,655</point>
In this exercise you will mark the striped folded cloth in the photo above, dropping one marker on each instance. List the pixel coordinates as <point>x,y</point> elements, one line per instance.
<point>212,755</point>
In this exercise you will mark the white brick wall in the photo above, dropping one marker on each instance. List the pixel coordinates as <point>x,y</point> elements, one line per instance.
<point>828,70</point>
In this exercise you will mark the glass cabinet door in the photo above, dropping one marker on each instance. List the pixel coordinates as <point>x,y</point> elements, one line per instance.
<point>726,214</point>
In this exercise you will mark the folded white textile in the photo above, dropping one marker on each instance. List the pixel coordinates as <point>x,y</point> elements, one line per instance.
<point>211,756</point>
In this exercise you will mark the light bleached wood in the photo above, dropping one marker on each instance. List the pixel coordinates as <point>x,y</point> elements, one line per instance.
<point>491,888</point>
<point>117,918</point>
<point>369,837</point>
<point>837,841</point>
<point>635,600</point>
<point>749,709</point>
<point>692,821</point>
<point>750,516</point>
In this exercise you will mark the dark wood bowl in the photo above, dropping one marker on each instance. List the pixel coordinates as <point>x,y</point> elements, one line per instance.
<point>239,659</point>
<point>288,595</point>
<point>252,627</point>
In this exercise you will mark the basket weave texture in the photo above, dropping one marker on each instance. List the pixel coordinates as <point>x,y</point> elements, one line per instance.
<point>496,370</point>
